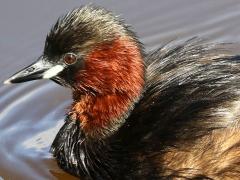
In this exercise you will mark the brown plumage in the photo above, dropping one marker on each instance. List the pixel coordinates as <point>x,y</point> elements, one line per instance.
<point>169,114</point>
<point>119,80</point>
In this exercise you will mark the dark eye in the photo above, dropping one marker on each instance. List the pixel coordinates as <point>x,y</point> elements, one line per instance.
<point>70,58</point>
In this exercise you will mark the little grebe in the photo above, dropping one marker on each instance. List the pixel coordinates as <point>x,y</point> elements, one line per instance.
<point>172,113</point>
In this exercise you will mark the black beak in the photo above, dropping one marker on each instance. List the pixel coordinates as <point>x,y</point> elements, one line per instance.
<point>41,69</point>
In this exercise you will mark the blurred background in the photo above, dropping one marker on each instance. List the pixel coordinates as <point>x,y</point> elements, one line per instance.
<point>32,113</point>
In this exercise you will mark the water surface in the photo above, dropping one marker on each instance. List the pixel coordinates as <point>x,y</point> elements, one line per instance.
<point>32,113</point>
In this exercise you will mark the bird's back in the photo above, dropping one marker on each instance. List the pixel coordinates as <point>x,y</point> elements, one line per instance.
<point>187,123</point>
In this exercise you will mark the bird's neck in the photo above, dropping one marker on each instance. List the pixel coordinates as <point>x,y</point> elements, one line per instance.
<point>101,115</point>
<point>115,71</point>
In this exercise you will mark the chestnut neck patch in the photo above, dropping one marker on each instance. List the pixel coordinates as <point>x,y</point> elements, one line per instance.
<point>108,87</point>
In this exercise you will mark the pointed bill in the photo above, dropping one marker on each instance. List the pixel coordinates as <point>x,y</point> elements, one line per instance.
<point>41,69</point>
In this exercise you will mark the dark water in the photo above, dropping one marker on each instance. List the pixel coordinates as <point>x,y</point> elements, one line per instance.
<point>32,113</point>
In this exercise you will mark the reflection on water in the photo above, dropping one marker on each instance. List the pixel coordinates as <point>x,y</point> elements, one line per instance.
<point>41,141</point>
<point>32,113</point>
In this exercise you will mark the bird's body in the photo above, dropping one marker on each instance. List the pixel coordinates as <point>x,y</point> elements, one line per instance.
<point>169,114</point>
<point>185,125</point>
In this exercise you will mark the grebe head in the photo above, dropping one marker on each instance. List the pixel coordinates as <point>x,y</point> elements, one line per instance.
<point>99,58</point>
